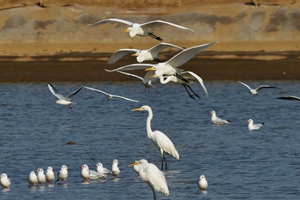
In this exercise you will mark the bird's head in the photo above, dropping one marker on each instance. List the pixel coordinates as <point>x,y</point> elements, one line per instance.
<point>151,68</point>
<point>140,108</point>
<point>212,112</point>
<point>134,163</point>
<point>136,54</point>
<point>127,30</point>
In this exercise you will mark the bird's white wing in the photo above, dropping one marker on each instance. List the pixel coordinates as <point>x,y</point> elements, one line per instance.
<point>290,98</point>
<point>156,23</point>
<point>245,85</point>
<point>133,75</point>
<point>161,46</point>
<point>264,86</point>
<point>70,96</point>
<point>55,92</point>
<point>198,78</point>
<point>119,54</point>
<point>157,179</point>
<point>125,98</point>
<point>89,88</point>
<point>112,20</point>
<point>187,54</point>
<point>132,67</point>
<point>164,142</point>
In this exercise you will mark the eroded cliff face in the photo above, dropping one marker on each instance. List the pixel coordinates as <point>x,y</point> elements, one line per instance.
<point>54,26</point>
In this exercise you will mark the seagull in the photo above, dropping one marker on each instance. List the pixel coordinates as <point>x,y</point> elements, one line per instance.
<point>87,174</point>
<point>142,55</point>
<point>62,174</point>
<point>252,126</point>
<point>102,170</point>
<point>110,96</point>
<point>144,29</point>
<point>255,91</point>
<point>49,175</point>
<point>146,80</point>
<point>5,181</point>
<point>202,184</point>
<point>32,179</point>
<point>63,100</point>
<point>115,169</point>
<point>216,120</point>
<point>41,176</point>
<point>293,98</point>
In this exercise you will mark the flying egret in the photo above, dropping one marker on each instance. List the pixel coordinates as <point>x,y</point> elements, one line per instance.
<point>66,101</point>
<point>110,96</point>
<point>252,126</point>
<point>161,141</point>
<point>49,175</point>
<point>255,91</point>
<point>5,181</point>
<point>202,184</point>
<point>152,176</point>
<point>145,29</point>
<point>62,174</point>
<point>142,55</point>
<point>216,120</point>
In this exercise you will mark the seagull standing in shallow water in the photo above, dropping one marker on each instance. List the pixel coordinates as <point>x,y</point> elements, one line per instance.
<point>216,120</point>
<point>255,91</point>
<point>202,184</point>
<point>5,181</point>
<point>145,29</point>
<point>66,101</point>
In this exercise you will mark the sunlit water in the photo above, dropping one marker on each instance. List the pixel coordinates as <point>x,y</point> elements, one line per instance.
<point>238,163</point>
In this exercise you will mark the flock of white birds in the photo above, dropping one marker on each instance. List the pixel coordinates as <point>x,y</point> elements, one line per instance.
<point>165,72</point>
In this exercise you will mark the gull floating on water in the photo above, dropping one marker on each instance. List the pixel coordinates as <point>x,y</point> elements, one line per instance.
<point>255,91</point>
<point>252,126</point>
<point>202,184</point>
<point>145,29</point>
<point>110,96</point>
<point>102,170</point>
<point>49,175</point>
<point>87,174</point>
<point>142,55</point>
<point>5,181</point>
<point>66,101</point>
<point>216,120</point>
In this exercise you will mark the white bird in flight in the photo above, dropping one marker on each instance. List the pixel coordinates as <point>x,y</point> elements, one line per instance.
<point>110,96</point>
<point>216,120</point>
<point>66,101</point>
<point>255,91</point>
<point>142,55</point>
<point>115,169</point>
<point>102,170</point>
<point>145,29</point>
<point>202,184</point>
<point>152,176</point>
<point>293,98</point>
<point>161,141</point>
<point>41,176</point>
<point>32,179</point>
<point>5,181</point>
<point>252,126</point>
<point>62,174</point>
<point>49,175</point>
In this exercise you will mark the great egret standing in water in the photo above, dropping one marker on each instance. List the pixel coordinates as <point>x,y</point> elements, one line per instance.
<point>161,141</point>
<point>152,176</point>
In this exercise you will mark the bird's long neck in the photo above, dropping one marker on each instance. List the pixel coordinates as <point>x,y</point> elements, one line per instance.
<point>149,130</point>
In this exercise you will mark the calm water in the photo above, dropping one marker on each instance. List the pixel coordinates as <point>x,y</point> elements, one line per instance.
<point>238,164</point>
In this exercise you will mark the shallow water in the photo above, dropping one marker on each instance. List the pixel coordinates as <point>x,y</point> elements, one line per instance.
<point>238,163</point>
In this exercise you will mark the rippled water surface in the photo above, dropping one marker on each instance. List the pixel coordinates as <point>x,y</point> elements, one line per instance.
<point>238,163</point>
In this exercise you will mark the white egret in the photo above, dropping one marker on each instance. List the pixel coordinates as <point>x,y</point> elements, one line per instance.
<point>293,98</point>
<point>41,176</point>
<point>216,120</point>
<point>49,175</point>
<point>115,169</point>
<point>145,29</point>
<point>32,179</point>
<point>5,181</point>
<point>62,174</point>
<point>255,91</point>
<point>252,126</point>
<point>142,55</point>
<point>152,176</point>
<point>104,171</point>
<point>66,101</point>
<point>202,184</point>
<point>161,141</point>
<point>110,96</point>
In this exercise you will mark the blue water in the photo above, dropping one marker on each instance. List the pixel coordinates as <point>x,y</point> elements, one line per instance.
<point>238,163</point>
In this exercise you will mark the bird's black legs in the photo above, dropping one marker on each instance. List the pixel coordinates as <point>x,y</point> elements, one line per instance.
<point>154,195</point>
<point>181,78</point>
<point>155,37</point>
<point>193,91</point>
<point>163,160</point>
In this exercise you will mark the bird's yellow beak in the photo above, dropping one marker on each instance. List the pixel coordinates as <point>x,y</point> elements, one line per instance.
<point>135,54</point>
<point>132,164</point>
<point>126,30</point>
<point>136,109</point>
<point>153,76</point>
<point>150,69</point>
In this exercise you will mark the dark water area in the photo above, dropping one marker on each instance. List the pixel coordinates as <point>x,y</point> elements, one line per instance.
<point>238,163</point>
